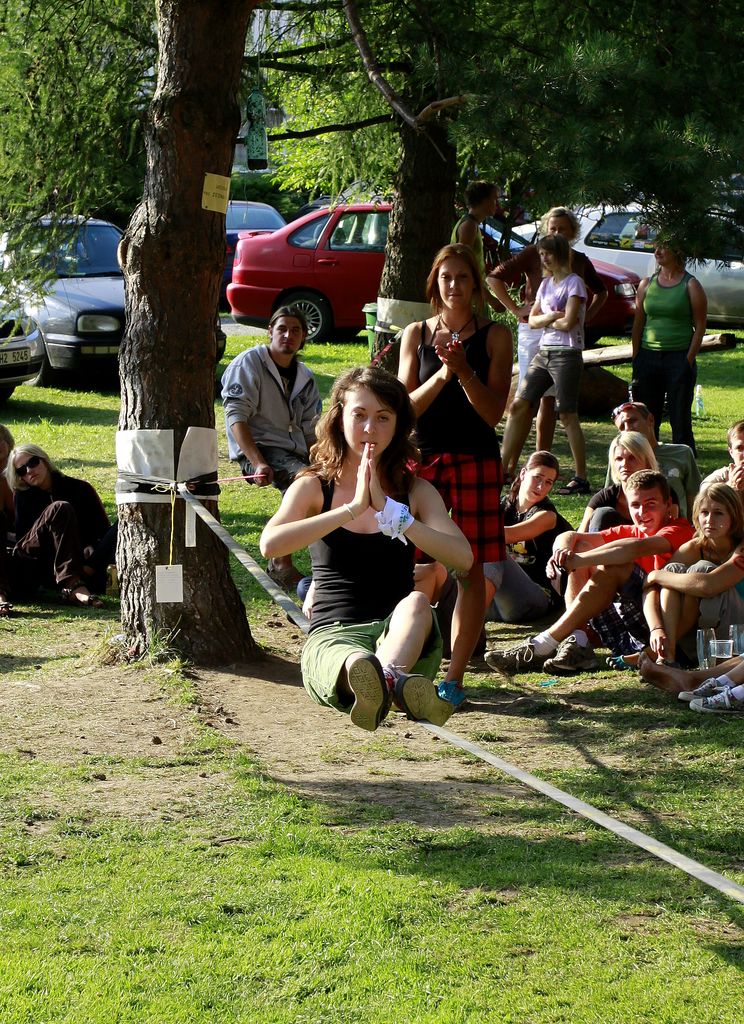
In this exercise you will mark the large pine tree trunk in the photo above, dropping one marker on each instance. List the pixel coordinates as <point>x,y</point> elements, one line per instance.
<point>420,224</point>
<point>174,256</point>
<point>421,219</point>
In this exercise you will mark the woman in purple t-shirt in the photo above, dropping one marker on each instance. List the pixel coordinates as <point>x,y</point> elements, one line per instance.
<point>559,310</point>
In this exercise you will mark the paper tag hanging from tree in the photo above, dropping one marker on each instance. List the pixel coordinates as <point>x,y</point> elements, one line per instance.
<point>169,584</point>
<point>216,193</point>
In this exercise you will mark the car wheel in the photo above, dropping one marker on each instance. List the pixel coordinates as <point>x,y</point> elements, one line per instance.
<point>317,312</point>
<point>5,394</point>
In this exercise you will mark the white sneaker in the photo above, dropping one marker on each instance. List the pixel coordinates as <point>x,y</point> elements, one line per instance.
<point>706,689</point>
<point>722,702</point>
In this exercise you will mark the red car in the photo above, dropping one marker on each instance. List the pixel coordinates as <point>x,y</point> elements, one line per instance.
<point>616,316</point>
<point>329,263</point>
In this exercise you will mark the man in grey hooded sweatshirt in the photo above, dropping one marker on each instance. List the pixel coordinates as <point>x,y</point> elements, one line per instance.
<point>272,404</point>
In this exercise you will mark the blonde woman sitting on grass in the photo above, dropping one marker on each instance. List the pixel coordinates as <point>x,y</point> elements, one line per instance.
<point>703,587</point>
<point>629,453</point>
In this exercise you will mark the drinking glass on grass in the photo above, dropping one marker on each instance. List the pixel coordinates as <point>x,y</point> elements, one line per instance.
<point>736,636</point>
<point>720,650</point>
<point>705,638</point>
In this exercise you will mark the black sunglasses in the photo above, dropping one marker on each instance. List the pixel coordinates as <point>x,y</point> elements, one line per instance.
<point>32,463</point>
<point>621,408</point>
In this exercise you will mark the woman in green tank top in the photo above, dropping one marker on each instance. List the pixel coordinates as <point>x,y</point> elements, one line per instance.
<point>668,330</point>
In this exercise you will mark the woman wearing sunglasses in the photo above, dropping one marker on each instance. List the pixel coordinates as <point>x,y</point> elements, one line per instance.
<point>63,537</point>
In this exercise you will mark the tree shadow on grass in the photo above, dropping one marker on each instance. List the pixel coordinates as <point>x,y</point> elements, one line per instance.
<point>523,844</point>
<point>18,662</point>
<point>431,811</point>
<point>21,413</point>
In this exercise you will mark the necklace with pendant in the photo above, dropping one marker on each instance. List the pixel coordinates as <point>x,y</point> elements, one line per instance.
<point>455,335</point>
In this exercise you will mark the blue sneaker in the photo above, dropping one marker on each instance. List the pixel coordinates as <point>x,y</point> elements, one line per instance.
<point>452,691</point>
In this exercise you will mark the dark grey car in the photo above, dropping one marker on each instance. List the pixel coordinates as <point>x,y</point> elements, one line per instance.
<point>81,313</point>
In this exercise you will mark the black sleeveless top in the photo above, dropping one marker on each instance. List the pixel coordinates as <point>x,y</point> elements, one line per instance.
<point>359,577</point>
<point>451,424</point>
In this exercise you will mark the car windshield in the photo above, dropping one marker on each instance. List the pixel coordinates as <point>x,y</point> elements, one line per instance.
<point>89,252</point>
<point>253,218</point>
<point>622,230</point>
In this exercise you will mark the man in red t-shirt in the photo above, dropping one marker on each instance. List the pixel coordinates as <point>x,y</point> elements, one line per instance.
<point>607,573</point>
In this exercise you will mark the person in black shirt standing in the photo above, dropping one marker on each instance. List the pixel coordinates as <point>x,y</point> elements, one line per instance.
<point>456,366</point>
<point>517,588</point>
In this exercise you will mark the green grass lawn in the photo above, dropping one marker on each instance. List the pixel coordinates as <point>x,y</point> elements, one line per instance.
<point>251,904</point>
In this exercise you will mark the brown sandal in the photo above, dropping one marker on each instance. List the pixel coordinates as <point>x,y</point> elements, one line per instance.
<point>73,595</point>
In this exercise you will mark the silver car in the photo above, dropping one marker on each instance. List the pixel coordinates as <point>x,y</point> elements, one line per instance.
<point>81,311</point>
<point>621,236</point>
<point>21,352</point>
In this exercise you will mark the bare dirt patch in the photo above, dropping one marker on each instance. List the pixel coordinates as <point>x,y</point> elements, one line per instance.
<point>96,711</point>
<point>402,772</point>
<point>402,769</point>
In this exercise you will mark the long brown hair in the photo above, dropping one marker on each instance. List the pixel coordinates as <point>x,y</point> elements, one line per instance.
<point>399,461</point>
<point>731,501</point>
<point>466,254</point>
<point>546,459</point>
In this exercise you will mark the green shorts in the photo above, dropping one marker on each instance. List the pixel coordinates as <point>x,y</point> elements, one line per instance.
<point>328,647</point>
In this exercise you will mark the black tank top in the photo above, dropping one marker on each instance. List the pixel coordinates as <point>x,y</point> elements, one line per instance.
<point>451,424</point>
<point>359,577</point>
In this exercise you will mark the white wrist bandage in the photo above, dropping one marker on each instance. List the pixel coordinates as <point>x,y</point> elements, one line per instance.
<point>394,519</point>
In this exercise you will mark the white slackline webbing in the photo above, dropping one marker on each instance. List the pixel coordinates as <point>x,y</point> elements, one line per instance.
<point>245,559</point>
<point>631,835</point>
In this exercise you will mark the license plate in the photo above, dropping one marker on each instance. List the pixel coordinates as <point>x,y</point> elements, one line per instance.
<point>14,355</point>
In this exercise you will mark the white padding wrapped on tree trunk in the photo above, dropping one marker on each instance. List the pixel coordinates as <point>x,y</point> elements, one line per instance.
<point>148,473</point>
<point>146,461</point>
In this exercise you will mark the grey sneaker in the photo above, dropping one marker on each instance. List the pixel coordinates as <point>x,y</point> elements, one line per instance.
<point>706,689</point>
<point>571,658</point>
<point>371,697</point>
<point>418,697</point>
<point>521,658</point>
<point>722,702</point>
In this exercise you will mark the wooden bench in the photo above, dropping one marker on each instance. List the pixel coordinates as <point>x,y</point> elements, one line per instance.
<point>602,390</point>
<point>613,355</point>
